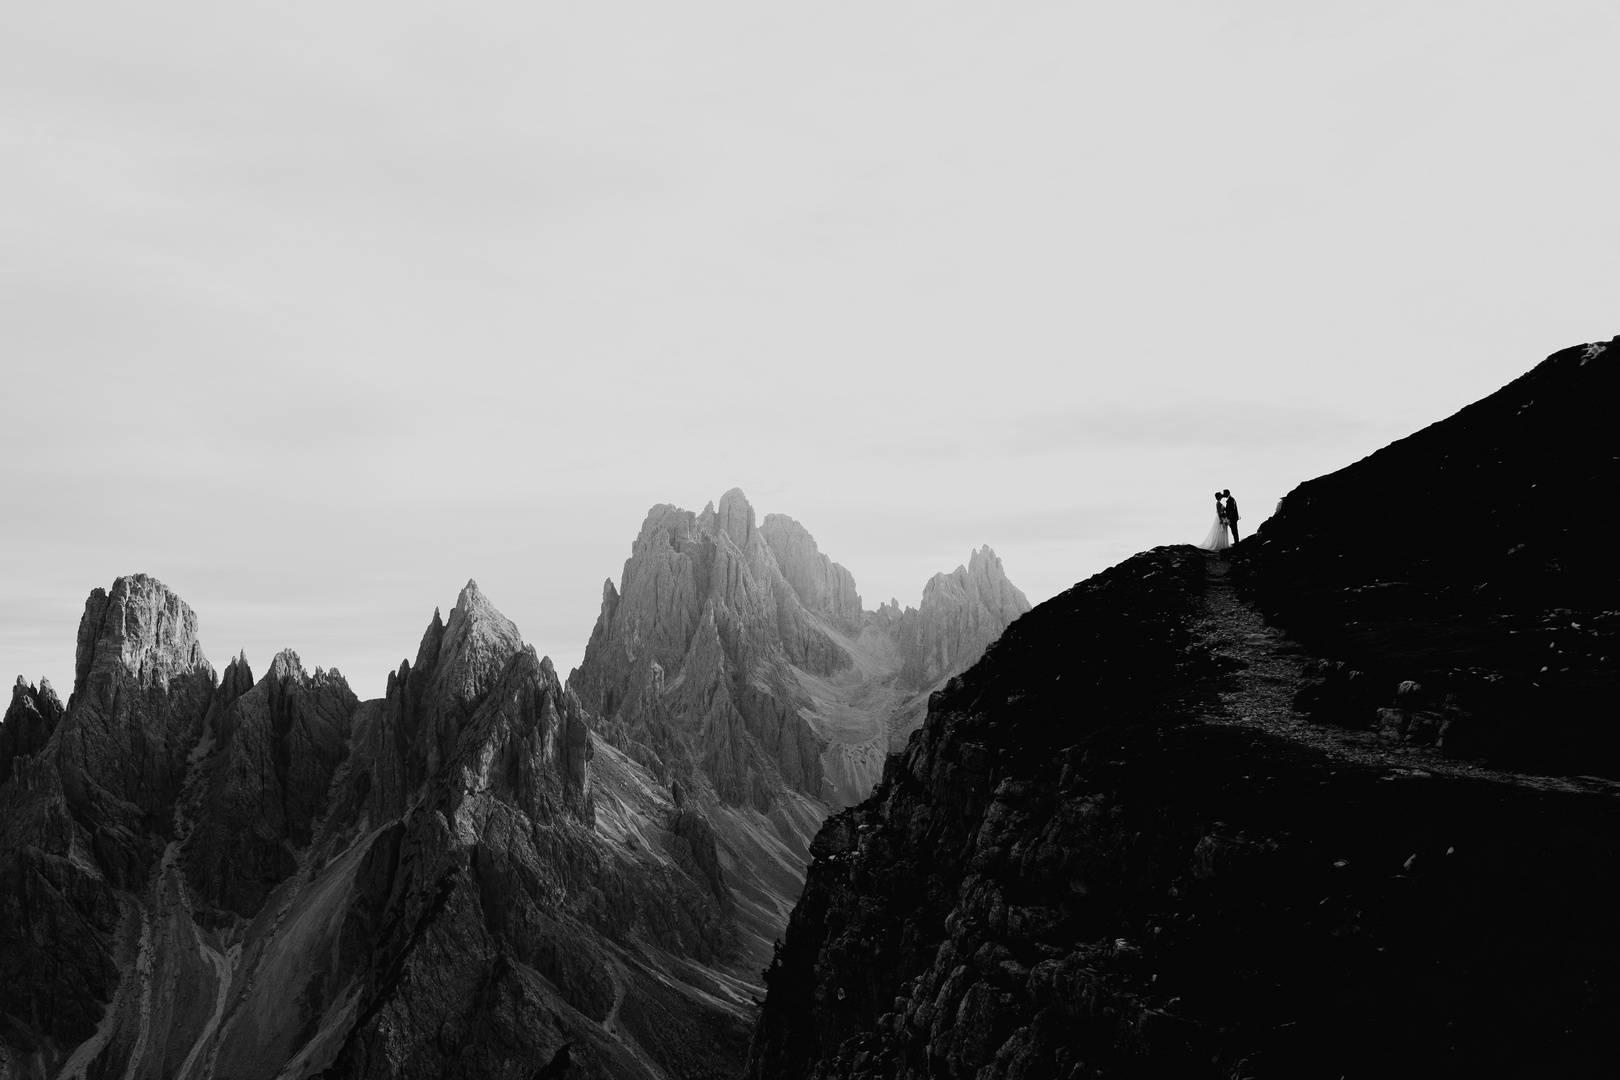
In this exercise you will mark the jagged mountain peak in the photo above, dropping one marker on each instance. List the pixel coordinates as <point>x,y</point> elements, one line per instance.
<point>286,665</point>
<point>467,652</point>
<point>984,560</point>
<point>236,679</point>
<point>139,627</point>
<point>29,722</point>
<point>45,691</point>
<point>735,517</point>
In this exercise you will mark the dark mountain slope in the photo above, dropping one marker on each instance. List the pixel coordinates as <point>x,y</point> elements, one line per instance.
<point>1114,849</point>
<point>1476,559</point>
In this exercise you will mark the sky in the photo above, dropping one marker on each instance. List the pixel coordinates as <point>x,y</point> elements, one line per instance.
<point>316,311</point>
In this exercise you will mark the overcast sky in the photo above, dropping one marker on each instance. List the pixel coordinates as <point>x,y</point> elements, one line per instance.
<point>314,311</point>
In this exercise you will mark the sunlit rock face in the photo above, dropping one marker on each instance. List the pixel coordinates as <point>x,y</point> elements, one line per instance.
<point>85,817</point>
<point>141,690</point>
<point>206,877</point>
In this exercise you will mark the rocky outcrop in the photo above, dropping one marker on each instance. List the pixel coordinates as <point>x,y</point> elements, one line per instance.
<point>29,721</point>
<point>140,695</point>
<point>1115,849</point>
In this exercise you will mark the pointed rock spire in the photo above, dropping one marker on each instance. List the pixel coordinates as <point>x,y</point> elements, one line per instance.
<point>735,518</point>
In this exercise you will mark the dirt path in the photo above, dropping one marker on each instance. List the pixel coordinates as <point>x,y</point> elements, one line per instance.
<point>1261,695</point>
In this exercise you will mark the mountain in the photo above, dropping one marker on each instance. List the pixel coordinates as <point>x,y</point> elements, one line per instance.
<point>1337,806</point>
<point>207,874</point>
<point>1472,560</point>
<point>734,661</point>
<point>212,876</point>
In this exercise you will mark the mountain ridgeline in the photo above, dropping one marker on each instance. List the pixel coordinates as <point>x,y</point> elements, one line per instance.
<point>734,662</point>
<point>482,873</point>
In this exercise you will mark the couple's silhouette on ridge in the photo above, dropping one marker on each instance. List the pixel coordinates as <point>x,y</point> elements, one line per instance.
<point>1226,517</point>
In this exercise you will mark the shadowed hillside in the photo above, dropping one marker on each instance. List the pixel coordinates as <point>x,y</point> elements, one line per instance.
<point>1475,559</point>
<point>1152,833</point>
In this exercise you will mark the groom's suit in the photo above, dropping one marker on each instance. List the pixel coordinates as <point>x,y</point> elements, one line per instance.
<point>1232,516</point>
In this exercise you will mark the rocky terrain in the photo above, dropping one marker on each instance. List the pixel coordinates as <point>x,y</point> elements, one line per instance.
<point>734,661</point>
<point>1340,806</point>
<point>215,876</point>
<point>208,874</point>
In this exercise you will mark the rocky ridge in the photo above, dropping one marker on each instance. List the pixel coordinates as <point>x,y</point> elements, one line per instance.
<point>1161,829</point>
<point>1470,564</point>
<point>735,662</point>
<point>208,876</point>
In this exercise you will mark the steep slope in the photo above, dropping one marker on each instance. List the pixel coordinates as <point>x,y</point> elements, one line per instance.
<point>735,662</point>
<point>1115,848</point>
<point>1473,560</point>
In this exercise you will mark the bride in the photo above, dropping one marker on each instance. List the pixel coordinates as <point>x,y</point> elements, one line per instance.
<point>1217,540</point>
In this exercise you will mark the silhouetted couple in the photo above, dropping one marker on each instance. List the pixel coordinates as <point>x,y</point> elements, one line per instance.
<point>1226,517</point>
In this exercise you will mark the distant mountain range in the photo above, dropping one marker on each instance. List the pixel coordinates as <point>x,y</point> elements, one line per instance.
<point>483,873</point>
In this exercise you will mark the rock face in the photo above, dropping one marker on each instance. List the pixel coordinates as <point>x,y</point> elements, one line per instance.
<point>264,786</point>
<point>726,648</point>
<point>961,614</point>
<point>217,877</point>
<point>1114,849</point>
<point>706,616</point>
<point>28,723</point>
<point>820,584</point>
<point>734,661</point>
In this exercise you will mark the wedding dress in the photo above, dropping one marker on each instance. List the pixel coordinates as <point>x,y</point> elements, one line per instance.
<point>1217,540</point>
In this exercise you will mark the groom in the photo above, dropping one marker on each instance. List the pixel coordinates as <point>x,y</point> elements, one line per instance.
<point>1231,513</point>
